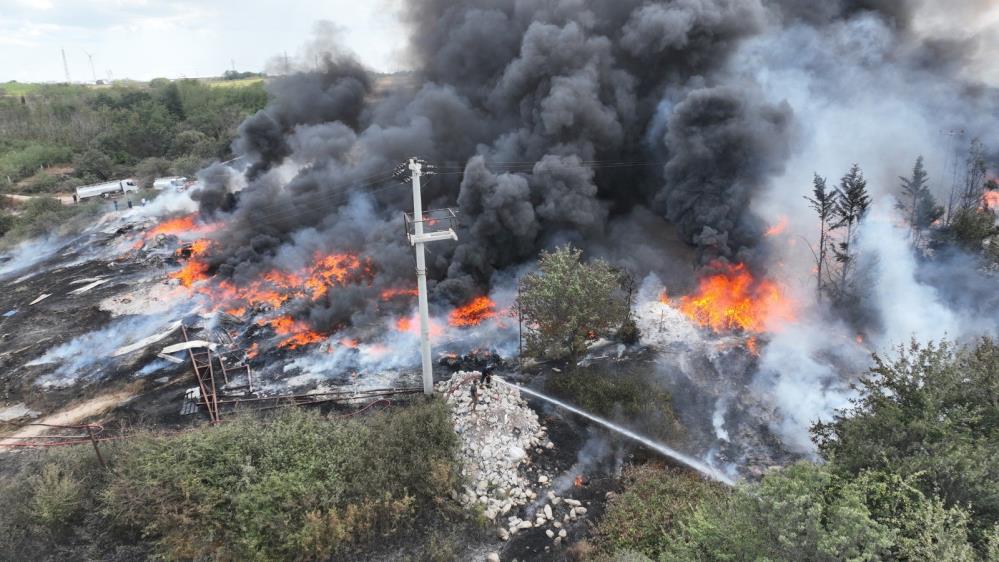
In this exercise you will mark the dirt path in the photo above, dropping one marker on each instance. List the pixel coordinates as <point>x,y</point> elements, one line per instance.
<point>64,198</point>
<point>70,415</point>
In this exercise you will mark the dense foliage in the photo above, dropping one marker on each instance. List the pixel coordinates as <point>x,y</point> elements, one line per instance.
<point>292,487</point>
<point>620,394</point>
<point>909,475</point>
<point>931,415</point>
<point>568,301</point>
<point>94,133</point>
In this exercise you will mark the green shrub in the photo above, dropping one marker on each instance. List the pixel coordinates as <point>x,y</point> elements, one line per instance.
<point>299,487</point>
<point>56,496</point>
<point>806,512</point>
<point>642,517</point>
<point>619,394</point>
<point>929,415</point>
<point>22,159</point>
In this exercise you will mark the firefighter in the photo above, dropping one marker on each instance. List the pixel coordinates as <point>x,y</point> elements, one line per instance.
<point>487,376</point>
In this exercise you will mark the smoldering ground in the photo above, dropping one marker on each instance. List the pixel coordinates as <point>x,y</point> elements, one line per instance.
<point>568,121</point>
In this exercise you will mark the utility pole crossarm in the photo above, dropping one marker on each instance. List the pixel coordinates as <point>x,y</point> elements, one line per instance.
<point>421,230</point>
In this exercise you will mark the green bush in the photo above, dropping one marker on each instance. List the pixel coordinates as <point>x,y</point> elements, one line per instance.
<point>615,394</point>
<point>928,415</point>
<point>299,487</point>
<point>42,183</point>
<point>805,512</point>
<point>642,517</point>
<point>56,495</point>
<point>22,159</point>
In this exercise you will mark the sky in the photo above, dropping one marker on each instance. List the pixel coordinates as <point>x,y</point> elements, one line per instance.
<point>145,39</point>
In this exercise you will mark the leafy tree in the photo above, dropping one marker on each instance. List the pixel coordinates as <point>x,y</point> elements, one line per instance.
<point>93,165</point>
<point>852,202</point>
<point>807,512</point>
<point>916,202</point>
<point>800,513</point>
<point>566,302</point>
<point>193,143</point>
<point>930,416</point>
<point>170,97</point>
<point>823,202</point>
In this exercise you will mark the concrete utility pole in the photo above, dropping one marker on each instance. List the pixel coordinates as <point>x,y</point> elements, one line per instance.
<point>418,237</point>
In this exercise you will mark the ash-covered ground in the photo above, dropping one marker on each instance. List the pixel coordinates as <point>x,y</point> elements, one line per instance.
<point>85,321</point>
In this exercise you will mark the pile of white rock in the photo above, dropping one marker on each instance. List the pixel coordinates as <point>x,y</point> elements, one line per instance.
<point>497,439</point>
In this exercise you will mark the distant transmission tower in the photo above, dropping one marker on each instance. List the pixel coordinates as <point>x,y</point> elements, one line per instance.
<point>65,67</point>
<point>93,72</point>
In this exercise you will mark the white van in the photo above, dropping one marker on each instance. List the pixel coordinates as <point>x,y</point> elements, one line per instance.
<point>177,183</point>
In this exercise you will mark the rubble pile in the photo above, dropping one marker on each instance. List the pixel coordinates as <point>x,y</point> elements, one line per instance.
<point>497,439</point>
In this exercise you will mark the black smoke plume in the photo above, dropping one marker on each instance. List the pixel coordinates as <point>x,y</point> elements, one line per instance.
<point>549,122</point>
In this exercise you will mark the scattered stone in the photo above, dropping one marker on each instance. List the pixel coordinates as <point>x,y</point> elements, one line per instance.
<point>495,440</point>
<point>493,557</point>
<point>525,525</point>
<point>550,533</point>
<point>542,479</point>
<point>562,533</point>
<point>548,512</point>
<point>549,445</point>
<point>572,502</point>
<point>503,534</point>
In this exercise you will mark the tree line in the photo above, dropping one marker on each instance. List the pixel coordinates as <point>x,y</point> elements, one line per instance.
<point>967,221</point>
<point>59,136</point>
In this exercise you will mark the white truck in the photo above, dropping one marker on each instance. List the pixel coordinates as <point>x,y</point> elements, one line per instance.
<point>106,189</point>
<point>176,183</point>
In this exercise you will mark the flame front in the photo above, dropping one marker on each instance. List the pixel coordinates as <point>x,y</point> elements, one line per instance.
<point>733,300</point>
<point>473,313</point>
<point>778,228</point>
<point>296,332</point>
<point>185,226</point>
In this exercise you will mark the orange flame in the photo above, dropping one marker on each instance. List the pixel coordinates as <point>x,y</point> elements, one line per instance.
<point>298,333</point>
<point>990,200</point>
<point>404,324</point>
<point>473,313</point>
<point>777,228</point>
<point>663,297</point>
<point>393,293</point>
<point>752,346</point>
<point>180,226</point>
<point>734,300</point>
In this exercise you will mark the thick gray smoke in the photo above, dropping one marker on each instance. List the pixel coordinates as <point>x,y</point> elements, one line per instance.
<point>550,122</point>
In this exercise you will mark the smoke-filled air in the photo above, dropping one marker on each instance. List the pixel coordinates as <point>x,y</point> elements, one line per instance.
<point>586,281</point>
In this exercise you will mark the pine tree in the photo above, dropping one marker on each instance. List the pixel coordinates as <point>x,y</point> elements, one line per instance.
<point>823,202</point>
<point>852,202</point>
<point>916,202</point>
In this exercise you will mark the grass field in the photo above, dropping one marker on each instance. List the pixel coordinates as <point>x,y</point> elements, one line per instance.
<point>15,89</point>
<point>218,83</point>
